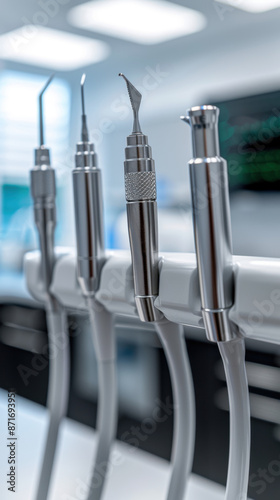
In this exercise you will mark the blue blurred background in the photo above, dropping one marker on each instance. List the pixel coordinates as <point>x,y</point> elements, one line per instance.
<point>231,58</point>
<point>216,53</point>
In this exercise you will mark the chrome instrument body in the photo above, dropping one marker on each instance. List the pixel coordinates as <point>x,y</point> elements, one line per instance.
<point>212,223</point>
<point>140,190</point>
<point>87,188</point>
<point>43,191</point>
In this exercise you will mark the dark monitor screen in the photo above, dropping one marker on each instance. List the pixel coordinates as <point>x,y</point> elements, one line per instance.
<point>249,130</point>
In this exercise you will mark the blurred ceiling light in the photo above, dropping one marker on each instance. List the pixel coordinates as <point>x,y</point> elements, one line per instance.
<point>252,5</point>
<point>142,21</point>
<point>50,48</point>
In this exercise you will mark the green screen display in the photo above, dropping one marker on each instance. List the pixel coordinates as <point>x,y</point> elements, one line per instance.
<point>250,141</point>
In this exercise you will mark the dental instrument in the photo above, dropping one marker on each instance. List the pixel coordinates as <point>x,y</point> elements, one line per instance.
<point>213,242</point>
<point>140,190</point>
<point>88,206</point>
<point>43,192</point>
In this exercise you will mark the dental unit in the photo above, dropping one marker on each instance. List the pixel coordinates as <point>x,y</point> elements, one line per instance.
<point>43,191</point>
<point>87,189</point>
<point>140,190</point>
<point>213,242</point>
<point>212,290</point>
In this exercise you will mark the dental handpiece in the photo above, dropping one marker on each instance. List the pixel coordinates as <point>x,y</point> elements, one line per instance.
<point>212,224</point>
<point>140,191</point>
<point>213,242</point>
<point>43,191</point>
<point>88,204</point>
<point>88,211</point>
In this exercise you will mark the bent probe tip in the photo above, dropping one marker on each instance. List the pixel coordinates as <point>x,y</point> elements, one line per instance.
<point>41,119</point>
<point>85,135</point>
<point>135,99</point>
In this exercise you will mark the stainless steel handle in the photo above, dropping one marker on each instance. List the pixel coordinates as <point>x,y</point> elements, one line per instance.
<point>212,224</point>
<point>89,227</point>
<point>143,236</point>
<point>141,194</point>
<point>43,192</point>
<point>212,230</point>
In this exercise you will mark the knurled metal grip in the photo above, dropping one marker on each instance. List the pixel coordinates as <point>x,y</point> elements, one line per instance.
<point>141,194</point>
<point>140,186</point>
<point>43,183</point>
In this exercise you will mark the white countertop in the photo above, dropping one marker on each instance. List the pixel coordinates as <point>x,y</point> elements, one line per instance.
<point>135,475</point>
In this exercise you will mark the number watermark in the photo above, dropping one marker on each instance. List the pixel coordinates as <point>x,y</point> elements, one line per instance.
<point>11,442</point>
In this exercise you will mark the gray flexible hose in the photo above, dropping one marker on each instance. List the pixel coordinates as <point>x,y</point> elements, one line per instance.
<point>233,356</point>
<point>102,326</point>
<point>172,339</point>
<point>58,390</point>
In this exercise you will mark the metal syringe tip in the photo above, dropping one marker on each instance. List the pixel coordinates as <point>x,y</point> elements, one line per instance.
<point>85,135</point>
<point>83,79</point>
<point>41,120</point>
<point>185,119</point>
<point>135,99</point>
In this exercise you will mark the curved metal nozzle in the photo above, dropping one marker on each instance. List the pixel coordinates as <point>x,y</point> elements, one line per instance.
<point>85,135</point>
<point>135,99</point>
<point>41,119</point>
<point>185,119</point>
<point>203,121</point>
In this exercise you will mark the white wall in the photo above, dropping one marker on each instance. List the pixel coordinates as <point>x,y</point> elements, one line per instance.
<point>233,62</point>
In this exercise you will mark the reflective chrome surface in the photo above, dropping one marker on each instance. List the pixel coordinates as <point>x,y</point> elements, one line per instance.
<point>205,138</point>
<point>143,236</point>
<point>212,230</point>
<point>141,195</point>
<point>87,187</point>
<point>43,192</point>
<point>140,184</point>
<point>218,326</point>
<point>88,206</point>
<point>212,224</point>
